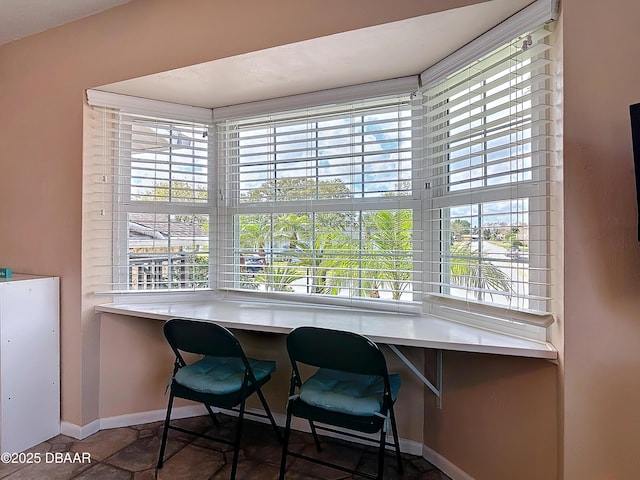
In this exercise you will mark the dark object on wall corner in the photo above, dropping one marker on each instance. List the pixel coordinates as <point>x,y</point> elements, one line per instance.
<point>634,110</point>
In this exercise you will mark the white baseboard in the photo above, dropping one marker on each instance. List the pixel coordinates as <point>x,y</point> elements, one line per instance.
<point>76,431</point>
<point>126,420</point>
<point>152,416</point>
<point>444,465</point>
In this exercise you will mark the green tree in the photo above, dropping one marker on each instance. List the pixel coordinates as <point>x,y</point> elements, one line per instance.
<point>296,188</point>
<point>460,227</point>
<point>379,258</point>
<point>255,232</point>
<point>389,237</point>
<point>469,270</point>
<point>307,238</point>
<point>178,191</point>
<point>279,276</point>
<point>327,251</point>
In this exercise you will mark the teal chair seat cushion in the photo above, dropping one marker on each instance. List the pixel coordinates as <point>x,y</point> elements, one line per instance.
<point>349,393</point>
<point>221,375</point>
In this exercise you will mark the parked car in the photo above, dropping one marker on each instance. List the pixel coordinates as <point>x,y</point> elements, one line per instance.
<point>514,251</point>
<point>254,264</point>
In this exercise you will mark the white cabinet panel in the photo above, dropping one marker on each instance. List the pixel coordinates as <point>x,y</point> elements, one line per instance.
<point>29,361</point>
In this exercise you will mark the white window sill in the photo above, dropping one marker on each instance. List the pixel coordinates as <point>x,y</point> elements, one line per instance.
<point>387,328</point>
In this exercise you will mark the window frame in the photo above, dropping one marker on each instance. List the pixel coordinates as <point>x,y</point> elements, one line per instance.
<point>537,191</point>
<point>233,207</point>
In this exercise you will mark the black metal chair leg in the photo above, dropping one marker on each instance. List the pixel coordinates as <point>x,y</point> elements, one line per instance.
<point>285,446</point>
<point>269,414</point>
<point>394,428</point>
<point>381,447</point>
<point>212,415</point>
<point>316,439</point>
<point>165,431</point>
<point>236,444</point>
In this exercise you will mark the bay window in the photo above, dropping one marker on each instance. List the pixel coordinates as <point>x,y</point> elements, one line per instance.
<point>435,196</point>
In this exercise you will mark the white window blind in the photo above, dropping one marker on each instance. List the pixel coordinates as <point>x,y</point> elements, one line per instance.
<point>323,202</point>
<point>489,154</point>
<point>147,202</point>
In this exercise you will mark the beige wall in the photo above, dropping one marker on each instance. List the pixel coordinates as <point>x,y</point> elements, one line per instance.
<point>602,255</point>
<point>501,416</point>
<point>498,419</point>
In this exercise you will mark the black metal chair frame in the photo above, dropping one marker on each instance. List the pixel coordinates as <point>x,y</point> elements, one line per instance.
<point>210,339</point>
<point>346,352</point>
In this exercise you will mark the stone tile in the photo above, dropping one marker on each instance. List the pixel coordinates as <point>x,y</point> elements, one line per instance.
<point>261,445</point>
<point>269,453</point>
<point>41,448</point>
<point>248,470</point>
<point>142,454</point>
<point>150,432</point>
<point>146,474</point>
<point>331,452</point>
<point>9,468</point>
<point>226,431</point>
<point>48,471</point>
<point>153,429</point>
<point>192,463</point>
<point>60,447</point>
<point>434,475</point>
<point>103,471</point>
<point>61,439</point>
<point>150,425</point>
<point>298,441</point>
<point>228,456</point>
<point>369,464</point>
<point>105,443</point>
<point>301,476</point>
<point>420,463</point>
<point>196,424</point>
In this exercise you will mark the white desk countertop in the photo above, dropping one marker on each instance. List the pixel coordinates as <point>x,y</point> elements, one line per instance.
<point>386,328</point>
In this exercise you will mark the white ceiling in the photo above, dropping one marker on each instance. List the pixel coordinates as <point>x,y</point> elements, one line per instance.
<point>376,53</point>
<point>382,52</point>
<point>21,18</point>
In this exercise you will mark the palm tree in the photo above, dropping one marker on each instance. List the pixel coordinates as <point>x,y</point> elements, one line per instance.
<point>279,276</point>
<point>390,243</point>
<point>255,231</point>
<point>381,257</point>
<point>291,227</point>
<point>469,270</point>
<point>321,249</point>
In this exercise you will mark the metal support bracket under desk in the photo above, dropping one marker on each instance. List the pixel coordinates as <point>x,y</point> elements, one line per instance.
<point>437,388</point>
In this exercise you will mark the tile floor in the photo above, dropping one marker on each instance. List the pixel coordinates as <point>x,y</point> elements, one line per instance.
<point>131,453</point>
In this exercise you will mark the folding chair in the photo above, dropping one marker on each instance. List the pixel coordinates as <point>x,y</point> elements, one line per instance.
<point>223,378</point>
<point>351,389</point>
